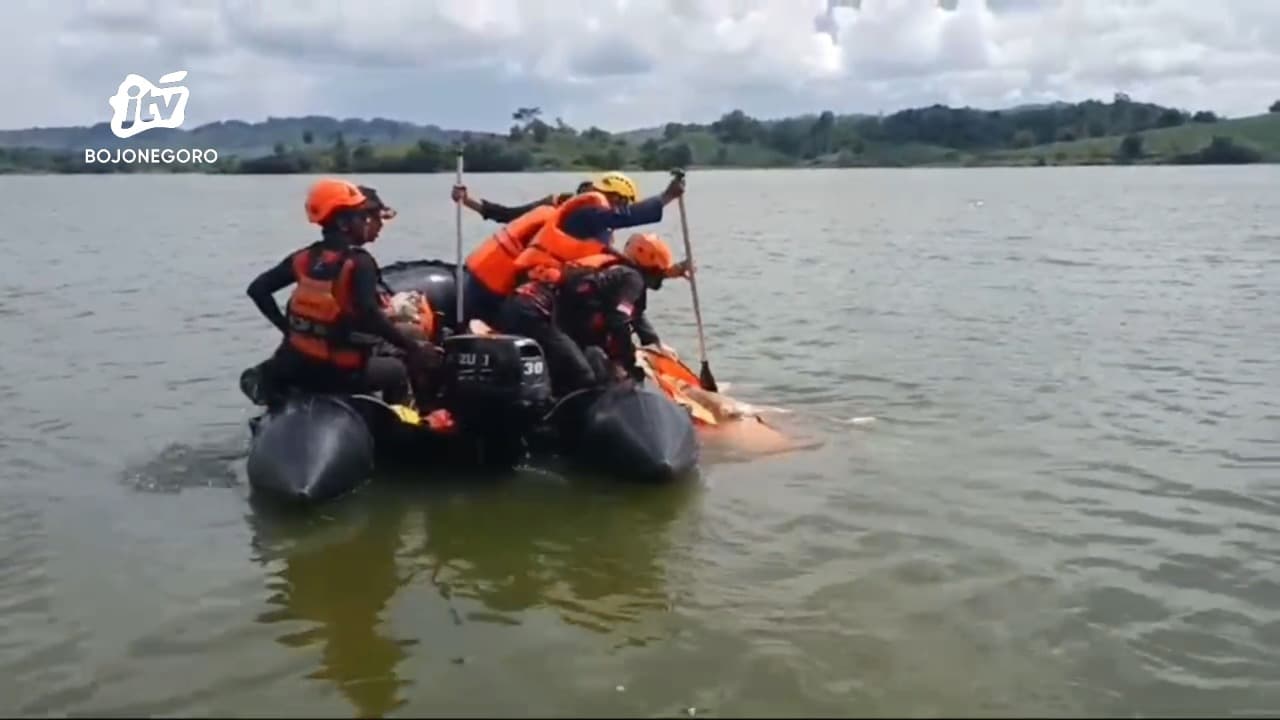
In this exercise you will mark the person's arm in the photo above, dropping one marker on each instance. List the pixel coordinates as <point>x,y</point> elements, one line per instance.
<point>640,320</point>
<point>364,288</point>
<point>264,287</point>
<point>495,212</point>
<point>644,329</point>
<point>596,223</point>
<point>622,288</point>
<point>504,214</point>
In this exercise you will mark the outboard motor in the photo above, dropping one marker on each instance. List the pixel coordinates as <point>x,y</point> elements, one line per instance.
<point>496,387</point>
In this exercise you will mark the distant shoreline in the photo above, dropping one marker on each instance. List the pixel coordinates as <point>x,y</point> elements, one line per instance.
<point>1086,134</point>
<point>970,164</point>
<point>692,168</point>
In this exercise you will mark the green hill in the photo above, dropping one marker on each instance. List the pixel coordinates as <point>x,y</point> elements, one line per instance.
<point>1090,132</point>
<point>1259,133</point>
<point>230,137</point>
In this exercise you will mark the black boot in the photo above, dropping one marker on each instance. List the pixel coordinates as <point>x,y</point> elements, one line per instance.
<point>600,364</point>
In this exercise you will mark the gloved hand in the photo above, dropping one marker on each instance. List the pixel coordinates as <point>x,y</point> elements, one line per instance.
<point>636,373</point>
<point>683,269</point>
<point>675,188</point>
<point>663,349</point>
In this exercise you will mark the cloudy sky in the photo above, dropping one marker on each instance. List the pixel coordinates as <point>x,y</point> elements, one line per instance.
<point>622,64</point>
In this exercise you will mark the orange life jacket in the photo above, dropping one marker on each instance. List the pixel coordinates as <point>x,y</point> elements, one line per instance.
<point>553,247</point>
<point>493,264</point>
<point>591,263</point>
<point>560,274</point>
<point>542,283</point>
<point>320,310</point>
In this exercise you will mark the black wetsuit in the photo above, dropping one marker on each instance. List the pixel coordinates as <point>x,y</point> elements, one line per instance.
<point>505,214</point>
<point>288,367</point>
<point>530,311</point>
<point>603,307</point>
<point>590,308</point>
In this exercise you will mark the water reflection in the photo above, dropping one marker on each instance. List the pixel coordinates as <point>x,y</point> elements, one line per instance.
<point>337,571</point>
<point>593,553</point>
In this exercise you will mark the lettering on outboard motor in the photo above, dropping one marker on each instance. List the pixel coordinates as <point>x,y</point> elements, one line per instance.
<point>495,383</point>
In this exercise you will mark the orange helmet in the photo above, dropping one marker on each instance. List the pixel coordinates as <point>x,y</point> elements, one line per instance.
<point>649,253</point>
<point>328,195</point>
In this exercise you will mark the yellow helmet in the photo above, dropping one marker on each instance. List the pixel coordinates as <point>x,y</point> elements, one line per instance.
<point>619,184</point>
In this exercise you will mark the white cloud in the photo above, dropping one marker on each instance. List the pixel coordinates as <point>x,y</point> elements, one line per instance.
<point>629,63</point>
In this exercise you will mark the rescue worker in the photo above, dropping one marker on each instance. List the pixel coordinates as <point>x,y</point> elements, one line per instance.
<point>489,272</point>
<point>334,317</point>
<point>584,225</point>
<point>595,301</point>
<point>604,298</point>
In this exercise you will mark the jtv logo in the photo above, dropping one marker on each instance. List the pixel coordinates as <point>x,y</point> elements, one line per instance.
<point>136,94</point>
<point>139,106</point>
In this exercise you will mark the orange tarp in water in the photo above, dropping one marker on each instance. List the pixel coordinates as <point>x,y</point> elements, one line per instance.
<point>673,378</point>
<point>720,420</point>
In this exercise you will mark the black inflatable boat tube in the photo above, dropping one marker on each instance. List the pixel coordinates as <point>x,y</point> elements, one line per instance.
<point>632,432</point>
<point>310,450</point>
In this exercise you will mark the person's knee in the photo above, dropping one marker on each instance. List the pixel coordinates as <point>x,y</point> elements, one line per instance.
<point>598,362</point>
<point>573,365</point>
<point>388,375</point>
<point>395,368</point>
<point>261,383</point>
<point>521,320</point>
<point>397,372</point>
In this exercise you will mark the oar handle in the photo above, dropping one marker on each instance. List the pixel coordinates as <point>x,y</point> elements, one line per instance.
<point>693,282</point>
<point>705,378</point>
<point>458,284</point>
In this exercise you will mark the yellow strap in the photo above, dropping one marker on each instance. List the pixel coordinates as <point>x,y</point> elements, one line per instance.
<point>407,415</point>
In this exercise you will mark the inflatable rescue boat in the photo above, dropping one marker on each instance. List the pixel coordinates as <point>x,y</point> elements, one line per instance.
<point>495,408</point>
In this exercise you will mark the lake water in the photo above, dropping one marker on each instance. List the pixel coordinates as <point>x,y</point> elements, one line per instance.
<point>1068,502</point>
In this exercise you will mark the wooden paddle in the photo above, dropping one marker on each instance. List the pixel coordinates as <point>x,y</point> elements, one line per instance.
<point>458,284</point>
<point>705,378</point>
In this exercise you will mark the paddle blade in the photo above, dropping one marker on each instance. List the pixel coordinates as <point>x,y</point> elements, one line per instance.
<point>706,379</point>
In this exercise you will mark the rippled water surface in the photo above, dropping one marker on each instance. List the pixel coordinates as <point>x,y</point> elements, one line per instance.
<point>1068,502</point>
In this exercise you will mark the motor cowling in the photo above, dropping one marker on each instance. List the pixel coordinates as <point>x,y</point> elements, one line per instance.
<point>495,383</point>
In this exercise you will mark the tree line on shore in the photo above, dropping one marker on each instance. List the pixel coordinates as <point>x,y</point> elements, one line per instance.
<point>929,135</point>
